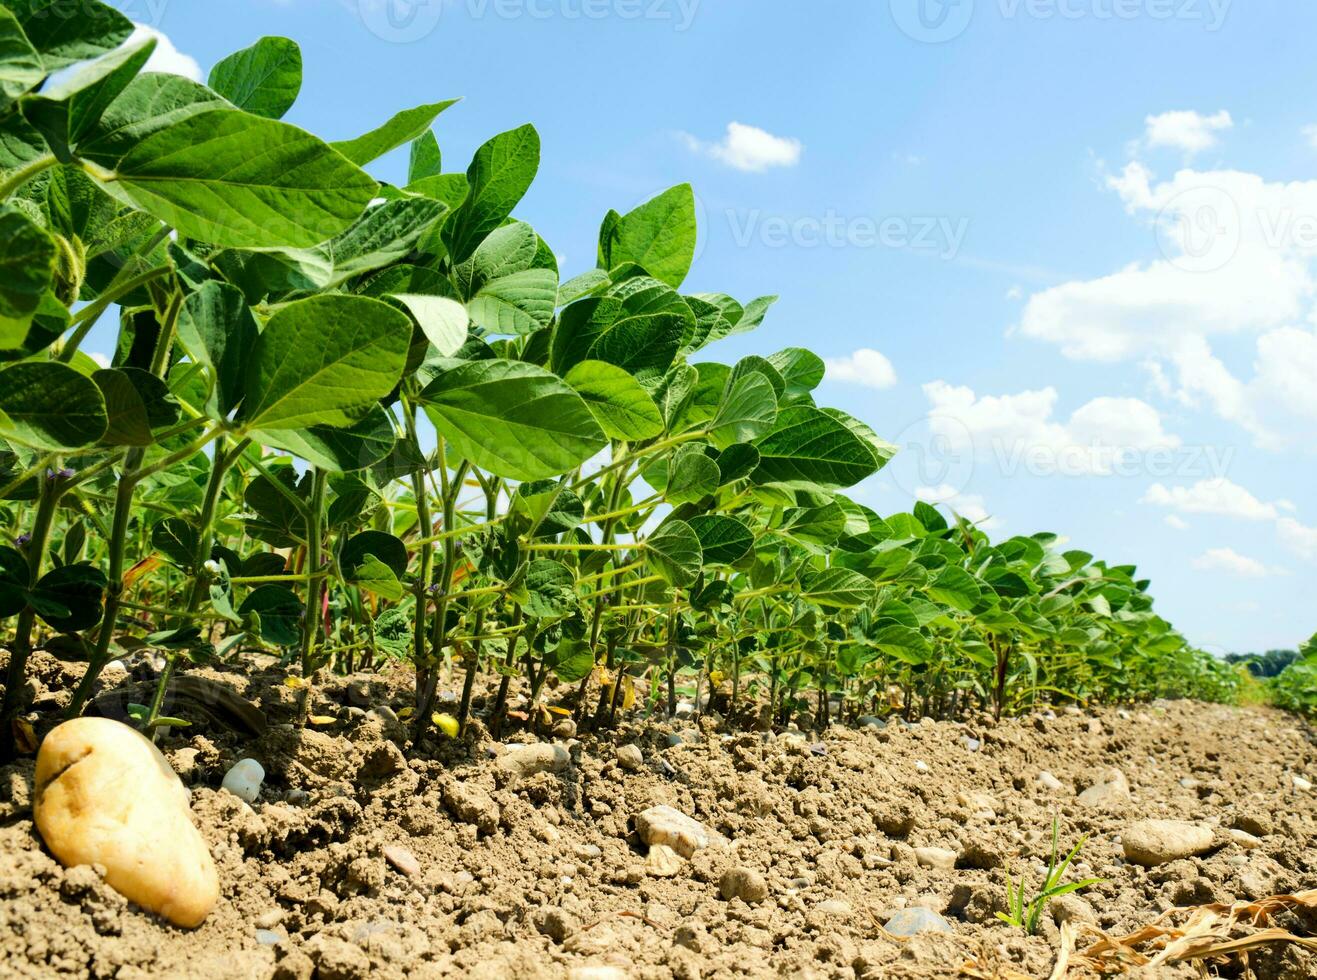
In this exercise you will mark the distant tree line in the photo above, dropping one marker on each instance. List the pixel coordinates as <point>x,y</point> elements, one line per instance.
<point>1269,664</point>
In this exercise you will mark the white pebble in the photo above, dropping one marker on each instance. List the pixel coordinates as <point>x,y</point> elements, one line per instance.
<point>244,780</point>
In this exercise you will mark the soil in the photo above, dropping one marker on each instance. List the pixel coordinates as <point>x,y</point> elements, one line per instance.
<point>358,860</point>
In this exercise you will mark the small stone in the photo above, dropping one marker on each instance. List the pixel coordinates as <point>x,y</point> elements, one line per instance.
<point>913,921</point>
<point>665,825</point>
<point>403,859</point>
<point>1071,908</point>
<point>685,709</point>
<point>630,758</point>
<point>596,972</point>
<point>1188,782</point>
<point>1301,784</point>
<point>1244,839</point>
<point>270,918</point>
<point>871,721</point>
<point>527,760</point>
<point>1154,842</point>
<point>971,744</point>
<point>554,922</point>
<point>935,857</point>
<point>565,729</point>
<point>103,794</point>
<point>1048,781</point>
<point>244,780</point>
<point>921,765</point>
<point>1114,790</point>
<point>978,803</point>
<point>744,883</point>
<point>835,908</point>
<point>663,862</point>
<point>385,714</point>
<point>383,760</point>
<point>268,937</point>
<point>673,740</point>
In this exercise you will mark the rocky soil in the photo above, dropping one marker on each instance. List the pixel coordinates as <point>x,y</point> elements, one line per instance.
<point>677,849</point>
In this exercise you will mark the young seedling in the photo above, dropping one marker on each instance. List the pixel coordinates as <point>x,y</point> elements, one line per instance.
<point>1024,914</point>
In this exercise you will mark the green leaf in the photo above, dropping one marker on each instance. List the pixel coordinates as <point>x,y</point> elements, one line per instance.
<point>498,178</point>
<point>572,661</point>
<point>579,326</point>
<point>549,589</point>
<point>504,251</point>
<point>691,477</point>
<point>402,128</point>
<point>517,304</point>
<point>218,330</point>
<point>27,269</point>
<point>231,178</point>
<point>808,448</point>
<point>65,34</point>
<point>374,576</point>
<point>46,405</point>
<point>724,540</point>
<point>21,68</point>
<point>746,412</point>
<point>512,419</point>
<point>426,160</point>
<point>264,79</point>
<point>150,103</point>
<point>325,360</point>
<point>838,588</point>
<point>69,598</point>
<point>801,369</point>
<point>386,548</point>
<point>177,540</point>
<point>136,402</point>
<point>337,450</point>
<point>68,110</point>
<point>659,236</point>
<point>643,345</point>
<point>674,550</point>
<point>279,612</point>
<point>443,321</point>
<point>619,404</point>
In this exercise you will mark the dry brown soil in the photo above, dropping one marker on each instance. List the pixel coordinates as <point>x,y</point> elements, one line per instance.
<point>543,876</point>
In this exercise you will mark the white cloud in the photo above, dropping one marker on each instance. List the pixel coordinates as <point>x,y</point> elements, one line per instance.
<point>863,367</point>
<point>749,148</point>
<point>1177,522</point>
<point>1310,134</point>
<point>1234,254</point>
<point>1217,496</point>
<point>1298,538</point>
<point>167,58</point>
<point>1186,130</point>
<point>1020,429</point>
<point>968,505</point>
<point>1232,562</point>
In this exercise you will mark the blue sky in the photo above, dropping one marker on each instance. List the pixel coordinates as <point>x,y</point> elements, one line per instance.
<point>1060,251</point>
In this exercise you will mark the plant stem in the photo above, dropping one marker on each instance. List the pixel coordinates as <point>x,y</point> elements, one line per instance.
<point>311,617</point>
<point>25,173</point>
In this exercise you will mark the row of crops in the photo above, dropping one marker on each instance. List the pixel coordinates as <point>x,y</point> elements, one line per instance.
<point>352,423</point>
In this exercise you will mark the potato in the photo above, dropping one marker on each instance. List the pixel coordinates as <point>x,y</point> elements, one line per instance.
<point>105,795</point>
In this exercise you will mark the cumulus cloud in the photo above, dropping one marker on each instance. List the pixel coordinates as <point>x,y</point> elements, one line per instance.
<point>1231,253</point>
<point>1186,130</point>
<point>1217,496</point>
<point>749,148</point>
<point>862,367</point>
<point>1021,429</point>
<point>1177,522</point>
<point>167,58</point>
<point>1298,538</point>
<point>1231,562</point>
